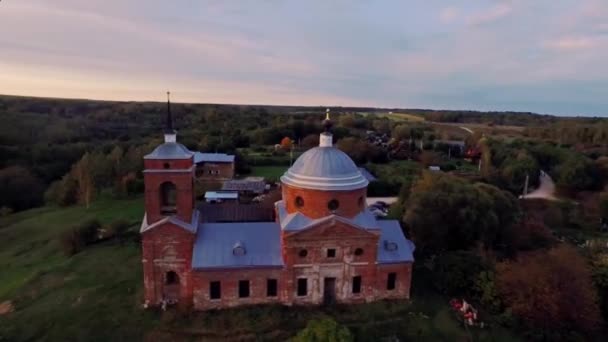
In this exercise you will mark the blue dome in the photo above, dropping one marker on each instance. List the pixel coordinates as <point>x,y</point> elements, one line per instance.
<point>324,168</point>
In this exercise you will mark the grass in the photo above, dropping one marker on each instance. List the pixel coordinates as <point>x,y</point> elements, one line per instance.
<point>272,173</point>
<point>405,117</point>
<point>96,295</point>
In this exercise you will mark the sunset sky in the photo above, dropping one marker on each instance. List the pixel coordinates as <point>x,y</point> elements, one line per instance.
<point>546,56</point>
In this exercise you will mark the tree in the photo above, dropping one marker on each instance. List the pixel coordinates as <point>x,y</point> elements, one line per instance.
<point>604,205</point>
<point>447,213</point>
<point>550,291</point>
<point>456,273</point>
<point>576,173</point>
<point>324,330</point>
<point>83,172</point>
<point>19,189</point>
<point>286,143</point>
<point>310,141</point>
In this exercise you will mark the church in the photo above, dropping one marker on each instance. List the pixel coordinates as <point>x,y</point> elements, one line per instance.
<point>323,246</point>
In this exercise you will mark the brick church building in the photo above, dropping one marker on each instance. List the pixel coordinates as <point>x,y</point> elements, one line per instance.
<point>323,246</point>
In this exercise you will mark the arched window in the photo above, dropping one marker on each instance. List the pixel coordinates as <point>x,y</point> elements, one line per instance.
<point>333,205</point>
<point>171,278</point>
<point>303,253</point>
<point>361,202</point>
<point>359,251</point>
<point>299,202</point>
<point>168,196</point>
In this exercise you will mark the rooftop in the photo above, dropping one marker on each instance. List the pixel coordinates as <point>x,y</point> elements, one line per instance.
<point>215,245</point>
<point>213,158</point>
<point>324,168</point>
<point>170,150</point>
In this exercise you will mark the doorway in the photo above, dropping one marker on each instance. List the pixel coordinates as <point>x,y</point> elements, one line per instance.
<point>329,291</point>
<point>171,287</point>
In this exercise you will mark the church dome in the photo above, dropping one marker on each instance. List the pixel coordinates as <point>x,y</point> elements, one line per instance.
<point>324,168</point>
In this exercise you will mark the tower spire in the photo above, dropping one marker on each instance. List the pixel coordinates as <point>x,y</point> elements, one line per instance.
<point>169,123</point>
<point>170,134</point>
<point>325,140</point>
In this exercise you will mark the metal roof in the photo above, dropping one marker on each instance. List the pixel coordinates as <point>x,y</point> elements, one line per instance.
<point>253,184</point>
<point>298,221</point>
<point>221,195</point>
<point>170,150</point>
<point>367,175</point>
<point>215,243</point>
<point>324,168</point>
<point>213,158</point>
<point>391,232</point>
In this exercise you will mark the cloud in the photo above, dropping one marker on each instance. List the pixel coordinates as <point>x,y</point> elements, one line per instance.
<point>490,15</point>
<point>448,14</point>
<point>571,43</point>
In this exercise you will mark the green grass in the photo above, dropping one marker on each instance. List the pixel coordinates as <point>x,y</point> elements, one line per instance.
<point>96,295</point>
<point>268,172</point>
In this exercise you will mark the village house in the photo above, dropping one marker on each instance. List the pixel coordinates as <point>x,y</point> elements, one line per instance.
<point>324,245</point>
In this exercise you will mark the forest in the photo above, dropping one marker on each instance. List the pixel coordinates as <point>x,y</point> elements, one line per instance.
<point>536,267</point>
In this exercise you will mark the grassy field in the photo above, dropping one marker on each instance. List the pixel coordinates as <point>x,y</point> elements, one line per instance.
<point>96,295</point>
<point>405,117</point>
<point>269,172</point>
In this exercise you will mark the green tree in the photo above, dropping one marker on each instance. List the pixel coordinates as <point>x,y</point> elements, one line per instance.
<point>324,330</point>
<point>447,213</point>
<point>19,189</point>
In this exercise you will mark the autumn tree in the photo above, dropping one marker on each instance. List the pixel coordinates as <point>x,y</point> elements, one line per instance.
<point>286,143</point>
<point>83,172</point>
<point>550,291</point>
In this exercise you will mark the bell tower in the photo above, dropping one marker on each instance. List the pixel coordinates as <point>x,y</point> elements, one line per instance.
<point>169,177</point>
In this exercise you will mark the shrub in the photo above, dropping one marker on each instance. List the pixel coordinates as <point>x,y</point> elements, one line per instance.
<point>76,238</point>
<point>324,329</point>
<point>118,230</point>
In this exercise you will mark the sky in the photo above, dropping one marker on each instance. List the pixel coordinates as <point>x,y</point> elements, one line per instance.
<point>544,56</point>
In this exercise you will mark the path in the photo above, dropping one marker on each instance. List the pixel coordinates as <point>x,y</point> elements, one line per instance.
<point>545,190</point>
<point>466,129</point>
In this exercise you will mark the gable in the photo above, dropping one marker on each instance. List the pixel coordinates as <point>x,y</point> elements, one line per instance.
<point>332,229</point>
<point>171,221</point>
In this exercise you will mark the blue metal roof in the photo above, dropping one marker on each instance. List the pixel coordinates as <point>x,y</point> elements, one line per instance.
<point>213,158</point>
<point>391,233</point>
<point>170,150</point>
<point>367,175</point>
<point>298,221</point>
<point>215,243</point>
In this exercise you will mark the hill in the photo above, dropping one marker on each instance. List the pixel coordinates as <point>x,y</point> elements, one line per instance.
<point>96,294</point>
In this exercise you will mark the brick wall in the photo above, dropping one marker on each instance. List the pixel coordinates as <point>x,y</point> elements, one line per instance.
<point>316,201</point>
<point>183,181</point>
<point>214,171</point>
<point>167,248</point>
<point>229,280</point>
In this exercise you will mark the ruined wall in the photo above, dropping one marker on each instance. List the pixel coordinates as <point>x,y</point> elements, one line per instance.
<point>167,248</point>
<point>317,265</point>
<point>403,283</point>
<point>229,279</point>
<point>214,171</point>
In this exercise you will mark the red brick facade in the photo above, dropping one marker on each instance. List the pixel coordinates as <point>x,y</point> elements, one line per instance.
<point>314,203</point>
<point>209,171</point>
<point>332,261</point>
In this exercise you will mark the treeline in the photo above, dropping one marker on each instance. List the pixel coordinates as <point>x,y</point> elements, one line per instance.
<point>594,132</point>
<point>474,241</point>
<point>492,118</point>
<point>507,164</point>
